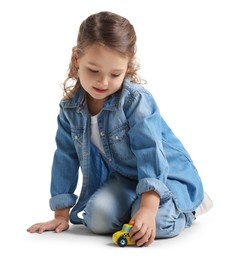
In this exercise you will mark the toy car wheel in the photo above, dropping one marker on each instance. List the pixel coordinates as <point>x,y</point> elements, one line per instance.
<point>122,241</point>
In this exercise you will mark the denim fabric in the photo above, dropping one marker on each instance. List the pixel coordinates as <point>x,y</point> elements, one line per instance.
<point>138,144</point>
<point>110,206</point>
<point>116,202</point>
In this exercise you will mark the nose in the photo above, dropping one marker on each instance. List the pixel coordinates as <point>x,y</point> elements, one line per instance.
<point>103,80</point>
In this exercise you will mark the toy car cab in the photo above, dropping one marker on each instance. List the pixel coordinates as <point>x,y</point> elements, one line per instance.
<point>122,237</point>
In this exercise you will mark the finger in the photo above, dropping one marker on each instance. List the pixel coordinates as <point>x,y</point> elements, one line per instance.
<point>34,228</point>
<point>141,242</point>
<point>47,226</point>
<point>136,227</point>
<point>139,234</point>
<point>150,240</point>
<point>146,239</point>
<point>62,227</point>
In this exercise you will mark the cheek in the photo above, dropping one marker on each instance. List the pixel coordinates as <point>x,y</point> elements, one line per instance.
<point>118,83</point>
<point>120,80</point>
<point>85,76</point>
<point>84,80</point>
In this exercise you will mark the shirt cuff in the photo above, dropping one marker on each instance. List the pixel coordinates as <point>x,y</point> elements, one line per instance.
<point>160,188</point>
<point>62,201</point>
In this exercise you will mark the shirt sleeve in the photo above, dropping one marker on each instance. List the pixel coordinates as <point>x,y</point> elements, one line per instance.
<point>146,143</point>
<point>65,166</point>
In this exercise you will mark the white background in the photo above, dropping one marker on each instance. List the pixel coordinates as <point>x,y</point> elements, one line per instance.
<point>186,49</point>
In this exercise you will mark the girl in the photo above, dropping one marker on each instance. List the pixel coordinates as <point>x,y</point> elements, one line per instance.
<point>109,126</point>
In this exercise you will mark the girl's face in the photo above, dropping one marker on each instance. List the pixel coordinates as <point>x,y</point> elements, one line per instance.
<point>101,71</point>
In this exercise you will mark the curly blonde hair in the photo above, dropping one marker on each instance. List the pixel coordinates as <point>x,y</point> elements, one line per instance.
<point>110,30</point>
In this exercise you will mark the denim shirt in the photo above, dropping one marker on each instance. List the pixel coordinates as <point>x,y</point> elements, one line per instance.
<point>138,144</point>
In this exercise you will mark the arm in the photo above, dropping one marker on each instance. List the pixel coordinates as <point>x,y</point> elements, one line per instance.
<point>63,180</point>
<point>64,173</point>
<point>144,229</point>
<point>145,134</point>
<point>145,123</point>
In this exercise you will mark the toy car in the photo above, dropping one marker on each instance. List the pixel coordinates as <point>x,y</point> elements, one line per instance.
<point>122,237</point>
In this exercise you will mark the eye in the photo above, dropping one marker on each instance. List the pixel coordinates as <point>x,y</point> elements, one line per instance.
<point>115,75</point>
<point>93,71</point>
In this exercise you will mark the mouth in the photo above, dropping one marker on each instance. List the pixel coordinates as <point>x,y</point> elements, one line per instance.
<point>99,90</point>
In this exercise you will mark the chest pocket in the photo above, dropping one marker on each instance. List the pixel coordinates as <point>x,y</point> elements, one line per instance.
<point>77,135</point>
<point>120,143</point>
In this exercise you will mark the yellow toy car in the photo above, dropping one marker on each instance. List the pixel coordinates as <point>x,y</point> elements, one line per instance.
<point>122,237</point>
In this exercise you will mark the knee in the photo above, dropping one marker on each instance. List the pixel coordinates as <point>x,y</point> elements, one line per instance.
<point>99,217</point>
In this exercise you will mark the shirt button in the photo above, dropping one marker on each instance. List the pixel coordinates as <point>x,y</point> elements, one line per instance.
<point>102,133</point>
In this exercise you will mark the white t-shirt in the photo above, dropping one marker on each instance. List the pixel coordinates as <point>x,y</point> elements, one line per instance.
<point>95,134</point>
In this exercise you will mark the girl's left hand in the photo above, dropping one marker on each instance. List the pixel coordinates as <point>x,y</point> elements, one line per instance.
<point>144,228</point>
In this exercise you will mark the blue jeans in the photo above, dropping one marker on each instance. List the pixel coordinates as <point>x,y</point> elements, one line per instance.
<point>116,202</point>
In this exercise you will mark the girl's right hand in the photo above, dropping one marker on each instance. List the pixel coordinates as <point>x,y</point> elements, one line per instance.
<point>57,224</point>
